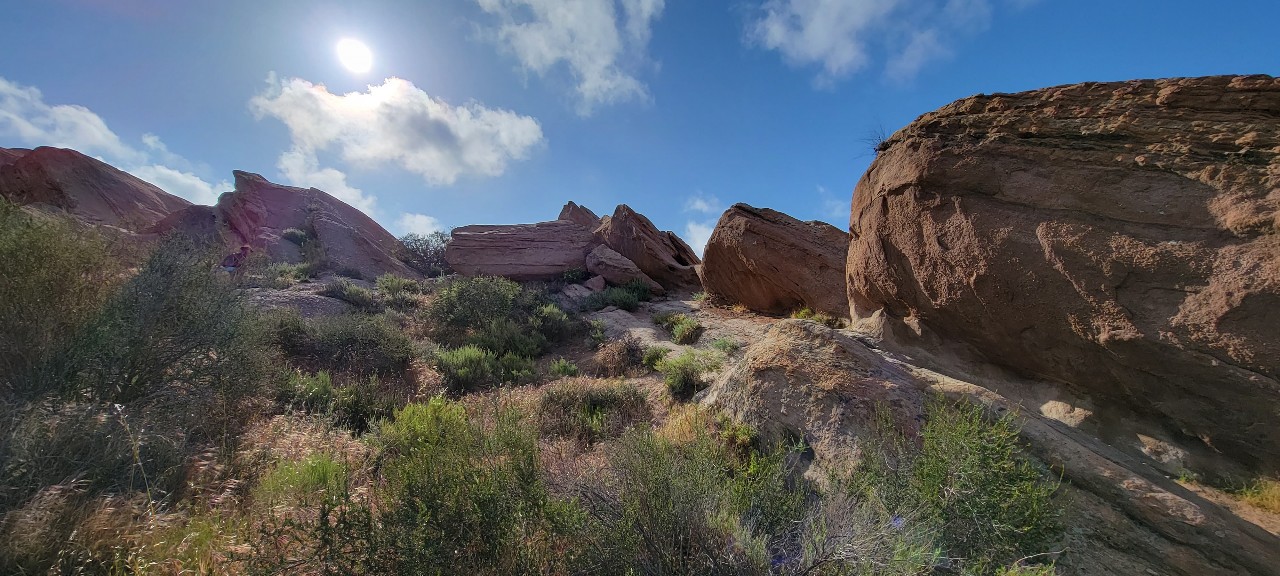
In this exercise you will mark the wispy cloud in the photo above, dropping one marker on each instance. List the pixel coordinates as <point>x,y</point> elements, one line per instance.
<point>417,224</point>
<point>602,43</point>
<point>843,37</point>
<point>28,119</point>
<point>698,229</point>
<point>833,209</point>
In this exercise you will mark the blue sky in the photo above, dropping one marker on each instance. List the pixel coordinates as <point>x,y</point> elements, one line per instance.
<point>498,111</point>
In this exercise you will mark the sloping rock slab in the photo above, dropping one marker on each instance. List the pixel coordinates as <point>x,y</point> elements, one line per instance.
<point>541,251</point>
<point>663,256</point>
<point>617,270</point>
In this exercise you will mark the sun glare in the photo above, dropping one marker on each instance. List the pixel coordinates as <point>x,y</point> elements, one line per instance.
<point>354,55</point>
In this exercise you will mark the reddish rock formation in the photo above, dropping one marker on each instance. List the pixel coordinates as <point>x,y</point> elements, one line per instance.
<point>259,211</point>
<point>1122,239</point>
<point>771,262</point>
<point>617,270</point>
<point>94,192</point>
<point>663,256</point>
<point>539,251</point>
<point>580,214</point>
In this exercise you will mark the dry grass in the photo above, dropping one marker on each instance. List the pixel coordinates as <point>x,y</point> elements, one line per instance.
<point>1264,494</point>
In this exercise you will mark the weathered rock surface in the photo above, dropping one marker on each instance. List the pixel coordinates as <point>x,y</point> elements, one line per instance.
<point>57,179</point>
<point>1118,238</point>
<point>771,262</point>
<point>258,212</point>
<point>574,212</point>
<point>539,251</point>
<point>803,380</point>
<point>595,283</point>
<point>663,256</point>
<point>617,270</point>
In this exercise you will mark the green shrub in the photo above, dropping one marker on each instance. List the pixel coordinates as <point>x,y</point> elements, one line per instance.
<point>425,253</point>
<point>617,357</point>
<point>653,356</point>
<point>820,317</point>
<point>591,413</point>
<point>310,392</point>
<point>574,276</point>
<point>561,368</point>
<point>296,236</point>
<point>552,322</point>
<point>350,272</point>
<point>356,343</point>
<point>310,480</point>
<point>354,405</point>
<point>472,302</point>
<point>347,291</point>
<point>506,336</point>
<point>726,345</point>
<point>596,332</point>
<point>280,275</point>
<point>683,374</point>
<point>612,296</point>
<point>392,286</point>
<point>468,368</point>
<point>988,503</point>
<point>701,296</point>
<point>684,329</point>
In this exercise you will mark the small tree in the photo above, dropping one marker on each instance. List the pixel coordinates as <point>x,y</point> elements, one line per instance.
<point>425,253</point>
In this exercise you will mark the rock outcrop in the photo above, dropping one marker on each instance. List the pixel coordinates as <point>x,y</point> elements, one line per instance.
<point>1120,239</point>
<point>574,212</point>
<point>803,380</point>
<point>663,256</point>
<point>541,251</point>
<point>773,263</point>
<point>617,270</point>
<point>258,212</point>
<point>62,180</point>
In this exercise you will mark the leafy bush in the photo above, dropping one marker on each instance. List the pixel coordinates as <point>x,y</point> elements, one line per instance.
<point>701,296</point>
<point>392,286</point>
<point>552,322</point>
<point>471,368</point>
<point>684,329</point>
<point>347,291</point>
<point>506,336</point>
<point>653,356</point>
<point>574,276</point>
<point>612,296</point>
<point>596,333</point>
<point>683,374</point>
<point>988,503</point>
<point>467,303</point>
<point>820,317</point>
<point>296,236</point>
<point>562,368</point>
<point>615,358</point>
<point>726,345</point>
<point>357,343</point>
<point>591,413</point>
<point>355,405</point>
<point>280,275</point>
<point>425,253</point>
<point>314,478</point>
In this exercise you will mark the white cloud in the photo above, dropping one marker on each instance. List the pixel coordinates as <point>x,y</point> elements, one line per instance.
<point>601,42</point>
<point>301,168</point>
<point>418,224</point>
<point>700,202</point>
<point>845,36</point>
<point>27,118</point>
<point>392,123</point>
<point>699,233</point>
<point>833,209</point>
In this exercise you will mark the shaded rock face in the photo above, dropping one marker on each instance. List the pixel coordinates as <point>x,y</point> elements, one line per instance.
<point>773,263</point>
<point>259,211</point>
<point>663,256</point>
<point>617,270</point>
<point>541,251</point>
<point>91,191</point>
<point>802,380</point>
<point>574,212</point>
<point>1120,238</point>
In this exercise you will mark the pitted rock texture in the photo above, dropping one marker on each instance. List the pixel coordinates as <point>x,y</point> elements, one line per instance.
<point>1119,238</point>
<point>773,263</point>
<point>663,256</point>
<point>94,192</point>
<point>258,212</point>
<point>541,251</point>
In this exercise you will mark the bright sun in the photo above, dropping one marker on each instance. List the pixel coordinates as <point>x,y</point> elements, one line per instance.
<point>354,55</point>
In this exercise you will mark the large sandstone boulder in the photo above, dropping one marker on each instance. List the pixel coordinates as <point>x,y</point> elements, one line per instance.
<point>802,380</point>
<point>580,214</point>
<point>61,180</point>
<point>541,251</point>
<point>663,256</point>
<point>1121,239</point>
<point>258,212</point>
<point>771,262</point>
<point>617,270</point>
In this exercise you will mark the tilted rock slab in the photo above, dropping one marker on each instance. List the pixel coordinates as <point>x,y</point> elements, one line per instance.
<point>663,256</point>
<point>541,251</point>
<point>617,270</point>
<point>62,180</point>
<point>575,212</point>
<point>1122,239</point>
<point>773,263</point>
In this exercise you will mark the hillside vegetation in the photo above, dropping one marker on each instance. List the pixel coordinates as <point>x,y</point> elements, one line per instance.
<point>152,422</point>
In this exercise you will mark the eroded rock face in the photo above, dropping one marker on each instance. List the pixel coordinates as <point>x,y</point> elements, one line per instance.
<point>802,380</point>
<point>541,251</point>
<point>663,256</point>
<point>773,263</point>
<point>617,270</point>
<point>258,212</point>
<point>1119,238</point>
<point>574,212</point>
<point>58,179</point>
